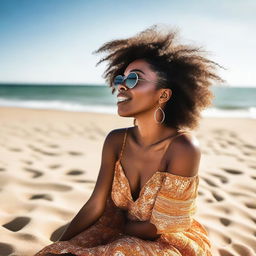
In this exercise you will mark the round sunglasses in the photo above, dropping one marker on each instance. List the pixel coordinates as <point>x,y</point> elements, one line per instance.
<point>130,81</point>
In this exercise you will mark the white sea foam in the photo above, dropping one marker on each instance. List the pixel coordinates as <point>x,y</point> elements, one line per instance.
<point>111,109</point>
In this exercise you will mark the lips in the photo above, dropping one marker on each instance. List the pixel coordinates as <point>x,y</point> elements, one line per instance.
<point>125,101</point>
<point>123,95</point>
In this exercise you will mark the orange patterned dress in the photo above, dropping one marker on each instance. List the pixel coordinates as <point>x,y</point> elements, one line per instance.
<point>166,200</point>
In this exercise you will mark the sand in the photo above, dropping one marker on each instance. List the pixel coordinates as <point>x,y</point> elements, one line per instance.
<point>50,161</point>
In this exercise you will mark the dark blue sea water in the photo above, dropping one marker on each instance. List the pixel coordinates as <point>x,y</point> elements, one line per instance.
<point>228,101</point>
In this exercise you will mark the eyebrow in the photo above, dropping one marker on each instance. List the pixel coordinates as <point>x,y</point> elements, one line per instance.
<point>138,70</point>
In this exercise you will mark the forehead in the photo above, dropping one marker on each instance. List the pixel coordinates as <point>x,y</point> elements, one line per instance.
<point>139,65</point>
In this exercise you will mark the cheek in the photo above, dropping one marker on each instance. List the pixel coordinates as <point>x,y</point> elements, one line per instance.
<point>145,97</point>
<point>143,101</point>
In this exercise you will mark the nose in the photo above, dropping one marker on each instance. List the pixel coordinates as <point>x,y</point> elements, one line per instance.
<point>121,86</point>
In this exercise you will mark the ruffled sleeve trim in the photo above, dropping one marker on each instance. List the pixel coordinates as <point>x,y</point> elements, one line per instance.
<point>175,203</point>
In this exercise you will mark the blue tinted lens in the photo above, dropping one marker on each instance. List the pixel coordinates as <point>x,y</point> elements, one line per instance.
<point>118,80</point>
<point>131,80</point>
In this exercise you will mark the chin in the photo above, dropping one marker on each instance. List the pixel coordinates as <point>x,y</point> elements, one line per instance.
<point>124,114</point>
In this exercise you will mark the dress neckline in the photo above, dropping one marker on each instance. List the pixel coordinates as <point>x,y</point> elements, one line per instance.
<point>148,181</point>
<point>155,173</point>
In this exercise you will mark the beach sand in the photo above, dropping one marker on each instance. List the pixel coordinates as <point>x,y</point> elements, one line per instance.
<point>50,161</point>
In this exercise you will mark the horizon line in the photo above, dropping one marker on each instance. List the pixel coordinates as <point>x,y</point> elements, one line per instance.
<point>99,84</point>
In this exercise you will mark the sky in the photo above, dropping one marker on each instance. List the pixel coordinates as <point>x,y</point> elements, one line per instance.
<point>51,41</point>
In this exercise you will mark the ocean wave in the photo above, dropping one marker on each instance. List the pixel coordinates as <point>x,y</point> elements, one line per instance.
<point>112,109</point>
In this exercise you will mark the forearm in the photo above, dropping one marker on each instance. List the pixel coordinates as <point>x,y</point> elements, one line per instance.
<point>141,229</point>
<point>84,219</point>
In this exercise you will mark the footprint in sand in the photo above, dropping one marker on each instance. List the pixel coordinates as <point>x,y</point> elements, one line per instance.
<point>54,166</point>
<point>232,171</point>
<point>222,178</point>
<point>6,249</point>
<point>240,159</point>
<point>231,142</point>
<point>34,171</point>
<point>238,194</point>
<point>249,146</point>
<point>217,196</point>
<point>58,232</point>
<point>75,172</point>
<point>42,151</point>
<point>209,182</point>
<point>15,149</point>
<point>27,237</point>
<point>75,153</point>
<point>209,200</point>
<point>254,220</point>
<point>17,223</point>
<point>242,249</point>
<point>223,145</point>
<point>41,196</point>
<point>247,153</point>
<point>221,237</point>
<point>224,252</point>
<point>85,181</point>
<point>53,145</point>
<point>27,162</point>
<point>226,222</point>
<point>200,193</point>
<point>55,187</point>
<point>250,205</point>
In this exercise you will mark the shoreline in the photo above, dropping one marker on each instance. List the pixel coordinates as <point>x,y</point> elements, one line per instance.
<point>212,112</point>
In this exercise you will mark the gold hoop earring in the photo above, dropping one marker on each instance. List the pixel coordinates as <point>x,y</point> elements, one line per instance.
<point>159,108</point>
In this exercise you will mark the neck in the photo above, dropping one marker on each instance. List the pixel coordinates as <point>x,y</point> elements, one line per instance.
<point>150,133</point>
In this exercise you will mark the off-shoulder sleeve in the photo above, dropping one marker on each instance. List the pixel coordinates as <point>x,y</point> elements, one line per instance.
<point>175,204</point>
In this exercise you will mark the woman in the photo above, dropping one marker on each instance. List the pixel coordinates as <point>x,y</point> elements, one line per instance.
<point>145,195</point>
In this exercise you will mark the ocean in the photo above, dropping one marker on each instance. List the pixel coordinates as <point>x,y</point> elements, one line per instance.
<point>228,101</point>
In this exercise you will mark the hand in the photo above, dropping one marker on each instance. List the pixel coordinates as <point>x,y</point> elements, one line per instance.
<point>141,229</point>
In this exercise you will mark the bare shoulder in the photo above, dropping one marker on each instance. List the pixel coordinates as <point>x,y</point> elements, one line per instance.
<point>184,155</point>
<point>104,181</point>
<point>186,141</point>
<point>115,137</point>
<point>118,132</point>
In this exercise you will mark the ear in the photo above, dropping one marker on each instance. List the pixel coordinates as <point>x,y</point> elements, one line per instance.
<point>165,95</point>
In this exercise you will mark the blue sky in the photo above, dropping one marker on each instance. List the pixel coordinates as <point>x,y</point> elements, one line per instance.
<point>51,41</point>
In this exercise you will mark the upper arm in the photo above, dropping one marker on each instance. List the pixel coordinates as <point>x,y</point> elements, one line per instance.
<point>184,156</point>
<point>106,173</point>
